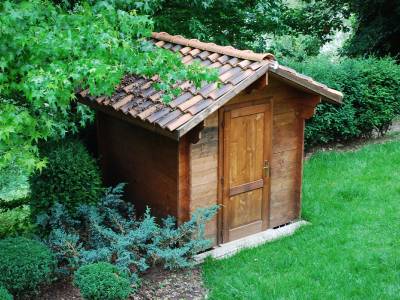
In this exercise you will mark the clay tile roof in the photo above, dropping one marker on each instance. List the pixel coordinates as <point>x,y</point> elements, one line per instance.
<point>137,99</point>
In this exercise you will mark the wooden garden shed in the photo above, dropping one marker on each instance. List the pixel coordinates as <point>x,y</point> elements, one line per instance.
<point>238,144</point>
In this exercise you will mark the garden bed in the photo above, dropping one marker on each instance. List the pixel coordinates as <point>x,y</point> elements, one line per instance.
<point>156,284</point>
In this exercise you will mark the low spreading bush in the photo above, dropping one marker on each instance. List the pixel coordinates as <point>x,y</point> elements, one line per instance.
<point>71,178</point>
<point>102,281</point>
<point>4,294</point>
<point>24,265</point>
<point>371,89</point>
<point>111,232</point>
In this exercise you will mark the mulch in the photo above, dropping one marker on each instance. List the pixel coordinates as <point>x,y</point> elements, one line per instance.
<point>156,284</point>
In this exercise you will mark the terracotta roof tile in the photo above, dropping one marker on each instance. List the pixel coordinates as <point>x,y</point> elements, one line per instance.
<point>221,91</point>
<point>213,57</point>
<point>122,102</point>
<point>230,73</point>
<point>168,118</point>
<point>204,54</point>
<point>178,122</point>
<point>176,48</point>
<point>223,59</point>
<point>194,52</point>
<point>190,102</point>
<point>159,114</point>
<point>237,69</point>
<point>182,98</point>
<point>185,50</point>
<point>147,112</point>
<point>198,107</point>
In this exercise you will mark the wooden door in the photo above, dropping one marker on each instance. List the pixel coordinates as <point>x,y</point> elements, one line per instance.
<point>246,132</point>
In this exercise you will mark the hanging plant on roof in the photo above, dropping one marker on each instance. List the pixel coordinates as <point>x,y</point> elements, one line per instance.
<point>48,54</point>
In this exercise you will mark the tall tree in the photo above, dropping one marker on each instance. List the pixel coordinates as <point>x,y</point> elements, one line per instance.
<point>377,28</point>
<point>48,53</point>
<point>243,23</point>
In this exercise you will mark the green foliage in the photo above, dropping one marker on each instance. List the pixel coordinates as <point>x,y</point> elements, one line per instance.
<point>371,101</point>
<point>111,232</point>
<point>4,294</point>
<point>244,24</point>
<point>49,53</point>
<point>71,178</point>
<point>291,47</point>
<point>102,281</point>
<point>377,28</point>
<point>24,265</point>
<point>15,222</point>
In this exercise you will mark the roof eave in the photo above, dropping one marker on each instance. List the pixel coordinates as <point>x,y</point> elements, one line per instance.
<point>134,121</point>
<point>301,82</point>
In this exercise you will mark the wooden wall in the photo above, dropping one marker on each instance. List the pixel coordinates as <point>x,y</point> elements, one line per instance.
<point>204,171</point>
<point>286,164</point>
<point>145,160</point>
<point>287,149</point>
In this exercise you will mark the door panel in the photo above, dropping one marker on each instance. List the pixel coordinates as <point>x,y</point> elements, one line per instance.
<point>247,148</point>
<point>245,208</point>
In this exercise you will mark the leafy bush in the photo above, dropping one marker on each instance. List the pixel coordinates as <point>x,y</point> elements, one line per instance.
<point>71,178</point>
<point>4,294</point>
<point>15,222</point>
<point>102,281</point>
<point>111,232</point>
<point>371,89</point>
<point>294,47</point>
<point>24,265</point>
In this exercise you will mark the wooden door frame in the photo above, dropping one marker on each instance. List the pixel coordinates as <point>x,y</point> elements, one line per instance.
<point>222,214</point>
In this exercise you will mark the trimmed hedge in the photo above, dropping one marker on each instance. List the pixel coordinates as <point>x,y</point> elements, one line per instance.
<point>24,265</point>
<point>102,281</point>
<point>71,178</point>
<point>371,89</point>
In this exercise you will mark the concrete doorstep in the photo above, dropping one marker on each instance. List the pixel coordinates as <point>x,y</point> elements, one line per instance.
<point>231,248</point>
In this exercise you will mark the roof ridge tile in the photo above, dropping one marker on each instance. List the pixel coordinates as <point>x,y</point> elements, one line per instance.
<point>211,47</point>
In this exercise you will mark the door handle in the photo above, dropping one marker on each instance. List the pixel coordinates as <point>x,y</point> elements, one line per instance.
<point>266,168</point>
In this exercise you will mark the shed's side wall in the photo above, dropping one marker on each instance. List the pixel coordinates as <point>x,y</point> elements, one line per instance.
<point>146,161</point>
<point>204,171</point>
<point>287,149</point>
<point>286,164</point>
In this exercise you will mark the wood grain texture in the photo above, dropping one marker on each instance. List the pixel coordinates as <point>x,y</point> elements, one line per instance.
<point>183,205</point>
<point>246,146</point>
<point>204,172</point>
<point>146,161</point>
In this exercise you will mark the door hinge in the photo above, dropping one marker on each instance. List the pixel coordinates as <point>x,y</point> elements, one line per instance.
<point>222,180</point>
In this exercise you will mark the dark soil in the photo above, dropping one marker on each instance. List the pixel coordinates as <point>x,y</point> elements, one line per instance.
<point>161,284</point>
<point>156,284</point>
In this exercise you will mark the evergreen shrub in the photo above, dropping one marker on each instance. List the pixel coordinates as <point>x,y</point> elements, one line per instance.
<point>4,294</point>
<point>71,177</point>
<point>371,89</point>
<point>102,281</point>
<point>111,232</point>
<point>24,265</point>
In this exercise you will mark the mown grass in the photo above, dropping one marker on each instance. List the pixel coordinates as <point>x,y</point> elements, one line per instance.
<point>352,248</point>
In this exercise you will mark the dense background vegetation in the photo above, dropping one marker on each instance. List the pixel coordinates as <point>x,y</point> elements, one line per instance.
<point>53,48</point>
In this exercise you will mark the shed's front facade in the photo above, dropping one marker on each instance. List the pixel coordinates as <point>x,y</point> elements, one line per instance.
<point>238,144</point>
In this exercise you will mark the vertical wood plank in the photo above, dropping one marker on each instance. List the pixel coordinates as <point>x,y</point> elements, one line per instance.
<point>183,202</point>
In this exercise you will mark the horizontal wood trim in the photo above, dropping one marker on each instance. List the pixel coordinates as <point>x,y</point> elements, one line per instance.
<point>249,110</point>
<point>245,230</point>
<point>247,187</point>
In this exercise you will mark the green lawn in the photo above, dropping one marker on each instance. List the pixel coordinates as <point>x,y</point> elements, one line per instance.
<point>352,248</point>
